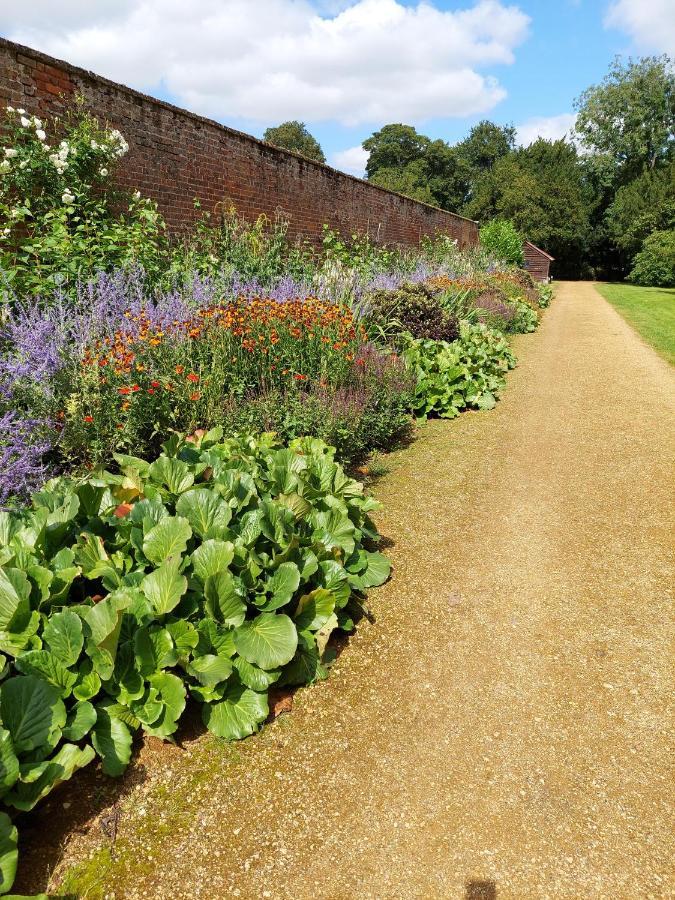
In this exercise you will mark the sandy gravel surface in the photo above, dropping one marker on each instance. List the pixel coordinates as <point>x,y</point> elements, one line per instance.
<point>503,730</point>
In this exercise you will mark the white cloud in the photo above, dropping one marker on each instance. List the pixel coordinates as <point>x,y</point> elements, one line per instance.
<point>269,60</point>
<point>352,160</point>
<point>650,23</point>
<point>550,127</point>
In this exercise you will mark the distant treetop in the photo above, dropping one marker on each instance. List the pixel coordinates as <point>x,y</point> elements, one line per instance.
<point>295,136</point>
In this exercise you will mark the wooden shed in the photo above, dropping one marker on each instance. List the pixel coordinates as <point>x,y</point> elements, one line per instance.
<point>537,261</point>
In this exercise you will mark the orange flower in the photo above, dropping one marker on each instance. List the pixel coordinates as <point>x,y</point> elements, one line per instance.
<point>195,396</point>
<point>124,391</point>
<point>88,419</point>
<point>151,390</point>
<point>154,384</point>
<point>180,370</point>
<point>193,378</point>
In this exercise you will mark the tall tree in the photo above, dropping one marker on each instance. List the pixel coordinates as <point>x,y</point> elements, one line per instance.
<point>393,147</point>
<point>631,115</point>
<point>485,144</point>
<point>295,136</point>
<point>541,190</point>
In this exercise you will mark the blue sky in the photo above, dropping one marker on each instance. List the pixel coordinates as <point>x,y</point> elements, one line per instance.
<point>347,67</point>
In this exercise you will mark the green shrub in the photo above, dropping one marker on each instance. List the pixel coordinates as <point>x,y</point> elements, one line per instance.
<point>415,308</point>
<point>212,573</point>
<point>466,373</point>
<point>501,238</point>
<point>654,265</point>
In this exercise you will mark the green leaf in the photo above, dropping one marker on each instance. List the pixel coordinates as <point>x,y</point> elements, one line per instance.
<point>378,569</point>
<point>224,601</point>
<point>164,587</point>
<point>306,667</point>
<point>172,694</point>
<point>9,764</point>
<point>283,584</point>
<point>63,636</point>
<point>91,556</point>
<point>43,777</point>
<point>253,677</point>
<point>174,474</point>
<point>45,665</point>
<point>314,610</point>
<point>167,538</point>
<point>238,714</point>
<point>210,670</point>
<point>81,720</point>
<point>14,597</point>
<point>112,741</point>
<point>268,641</point>
<point>153,649</point>
<point>206,511</point>
<point>30,710</point>
<point>211,557</point>
<point>334,529</point>
<point>9,852</point>
<point>88,682</point>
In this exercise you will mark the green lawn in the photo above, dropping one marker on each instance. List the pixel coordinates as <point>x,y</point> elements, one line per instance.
<point>651,312</point>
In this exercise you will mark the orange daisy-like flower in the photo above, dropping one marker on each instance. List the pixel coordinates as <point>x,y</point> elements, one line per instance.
<point>180,370</point>
<point>124,391</point>
<point>88,419</point>
<point>193,378</point>
<point>195,396</point>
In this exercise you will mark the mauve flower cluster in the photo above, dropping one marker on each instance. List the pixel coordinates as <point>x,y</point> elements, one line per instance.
<point>22,449</point>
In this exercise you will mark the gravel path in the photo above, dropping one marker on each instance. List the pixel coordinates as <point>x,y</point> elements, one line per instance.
<point>502,731</point>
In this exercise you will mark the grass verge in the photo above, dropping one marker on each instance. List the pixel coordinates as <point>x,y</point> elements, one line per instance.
<point>651,312</point>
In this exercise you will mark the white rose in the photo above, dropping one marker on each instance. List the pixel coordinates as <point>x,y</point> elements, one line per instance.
<point>137,195</point>
<point>37,122</point>
<point>104,172</point>
<point>94,145</point>
<point>10,109</point>
<point>67,197</point>
<point>25,122</point>
<point>40,135</point>
<point>10,152</point>
<point>21,112</point>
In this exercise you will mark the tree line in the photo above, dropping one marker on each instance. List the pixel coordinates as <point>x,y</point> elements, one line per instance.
<point>597,199</point>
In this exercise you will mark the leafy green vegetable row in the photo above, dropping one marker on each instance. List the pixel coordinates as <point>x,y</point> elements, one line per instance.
<point>215,571</point>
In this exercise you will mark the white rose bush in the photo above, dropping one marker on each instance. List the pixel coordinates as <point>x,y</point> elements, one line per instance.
<point>65,219</point>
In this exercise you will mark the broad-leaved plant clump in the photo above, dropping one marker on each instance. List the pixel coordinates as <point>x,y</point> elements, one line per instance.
<point>215,571</point>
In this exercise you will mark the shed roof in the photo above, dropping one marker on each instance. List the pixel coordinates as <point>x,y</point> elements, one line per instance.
<point>539,250</point>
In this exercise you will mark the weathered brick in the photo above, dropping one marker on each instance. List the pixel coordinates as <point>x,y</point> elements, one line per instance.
<point>176,157</point>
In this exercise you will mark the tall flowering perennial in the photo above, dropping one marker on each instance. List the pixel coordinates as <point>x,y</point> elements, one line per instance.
<point>62,216</point>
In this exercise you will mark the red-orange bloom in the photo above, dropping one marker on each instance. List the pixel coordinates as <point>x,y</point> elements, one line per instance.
<point>193,378</point>
<point>88,419</point>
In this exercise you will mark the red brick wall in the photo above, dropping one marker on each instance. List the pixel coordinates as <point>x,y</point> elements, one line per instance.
<point>536,262</point>
<point>176,156</point>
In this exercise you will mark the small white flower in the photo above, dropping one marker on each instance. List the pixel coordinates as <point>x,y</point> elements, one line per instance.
<point>40,135</point>
<point>23,163</point>
<point>25,122</point>
<point>94,145</point>
<point>10,152</point>
<point>104,171</point>
<point>5,166</point>
<point>21,112</point>
<point>67,198</point>
<point>5,232</point>
<point>137,195</point>
<point>15,213</point>
<point>10,109</point>
<point>37,122</point>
